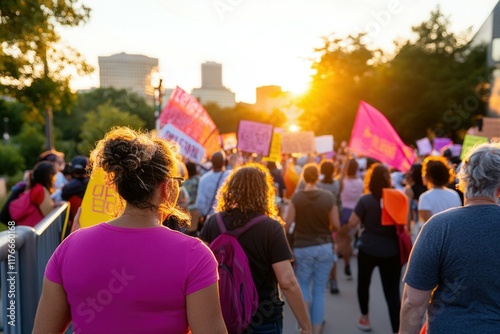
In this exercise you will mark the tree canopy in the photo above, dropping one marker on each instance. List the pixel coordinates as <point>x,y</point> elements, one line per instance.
<point>435,83</point>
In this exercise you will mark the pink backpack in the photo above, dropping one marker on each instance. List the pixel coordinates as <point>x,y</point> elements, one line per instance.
<point>238,296</point>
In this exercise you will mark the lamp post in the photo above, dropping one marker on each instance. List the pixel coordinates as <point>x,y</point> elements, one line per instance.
<point>158,94</point>
<point>6,135</point>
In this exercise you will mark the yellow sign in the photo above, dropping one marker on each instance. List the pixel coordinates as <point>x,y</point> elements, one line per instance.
<point>470,142</point>
<point>275,151</point>
<point>99,202</point>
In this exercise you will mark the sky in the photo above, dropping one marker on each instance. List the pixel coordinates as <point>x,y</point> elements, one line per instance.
<point>258,42</point>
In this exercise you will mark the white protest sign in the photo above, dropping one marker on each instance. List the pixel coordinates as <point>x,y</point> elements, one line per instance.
<point>324,144</point>
<point>190,148</point>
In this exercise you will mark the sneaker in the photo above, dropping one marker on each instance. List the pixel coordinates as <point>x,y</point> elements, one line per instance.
<point>334,289</point>
<point>364,325</point>
<point>347,272</point>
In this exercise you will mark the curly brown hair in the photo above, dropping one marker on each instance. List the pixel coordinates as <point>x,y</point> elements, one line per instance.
<point>135,165</point>
<point>249,188</point>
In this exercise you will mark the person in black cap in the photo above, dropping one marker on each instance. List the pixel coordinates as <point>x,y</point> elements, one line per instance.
<point>74,190</point>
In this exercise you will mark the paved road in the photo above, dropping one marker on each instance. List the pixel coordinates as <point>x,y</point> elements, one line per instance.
<point>342,311</point>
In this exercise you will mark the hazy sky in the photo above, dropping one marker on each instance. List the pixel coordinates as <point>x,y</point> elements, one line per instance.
<point>258,42</point>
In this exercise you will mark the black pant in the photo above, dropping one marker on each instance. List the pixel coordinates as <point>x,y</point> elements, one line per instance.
<point>390,275</point>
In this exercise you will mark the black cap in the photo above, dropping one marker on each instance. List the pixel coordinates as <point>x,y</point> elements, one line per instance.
<point>79,162</point>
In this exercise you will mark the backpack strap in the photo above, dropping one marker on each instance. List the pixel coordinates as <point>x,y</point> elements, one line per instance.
<point>240,230</point>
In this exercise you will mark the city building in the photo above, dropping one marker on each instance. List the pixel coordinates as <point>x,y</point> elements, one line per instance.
<point>131,72</point>
<point>489,34</point>
<point>271,97</point>
<point>212,89</point>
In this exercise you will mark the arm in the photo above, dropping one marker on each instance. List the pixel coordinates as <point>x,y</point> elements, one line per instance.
<point>203,311</point>
<point>409,195</point>
<point>354,220</point>
<point>290,287</point>
<point>334,218</point>
<point>53,314</point>
<point>290,216</point>
<point>414,305</point>
<point>425,215</point>
<point>47,204</point>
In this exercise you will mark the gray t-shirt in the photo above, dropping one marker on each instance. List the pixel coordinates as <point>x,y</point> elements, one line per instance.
<point>376,240</point>
<point>458,253</point>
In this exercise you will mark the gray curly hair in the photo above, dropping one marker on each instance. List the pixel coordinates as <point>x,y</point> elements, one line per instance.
<point>479,175</point>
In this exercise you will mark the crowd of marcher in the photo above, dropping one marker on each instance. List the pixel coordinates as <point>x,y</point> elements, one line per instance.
<point>152,269</point>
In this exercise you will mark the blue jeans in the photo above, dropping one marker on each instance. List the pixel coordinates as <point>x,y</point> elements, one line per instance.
<point>270,328</point>
<point>312,268</point>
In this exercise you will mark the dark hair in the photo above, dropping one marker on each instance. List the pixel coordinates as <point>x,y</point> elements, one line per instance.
<point>327,168</point>
<point>50,155</point>
<point>310,173</point>
<point>218,160</point>
<point>352,167</point>
<point>437,172</point>
<point>43,174</point>
<point>271,165</point>
<point>191,169</point>
<point>416,173</point>
<point>378,178</point>
<point>136,165</point>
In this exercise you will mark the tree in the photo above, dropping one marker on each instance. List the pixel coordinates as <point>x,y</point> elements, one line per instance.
<point>70,122</point>
<point>34,64</point>
<point>98,123</point>
<point>342,76</point>
<point>434,84</point>
<point>29,142</point>
<point>11,161</point>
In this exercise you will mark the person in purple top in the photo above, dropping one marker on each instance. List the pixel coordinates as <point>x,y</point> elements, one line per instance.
<point>131,274</point>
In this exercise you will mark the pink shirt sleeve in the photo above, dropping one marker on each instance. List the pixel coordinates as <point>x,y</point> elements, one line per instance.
<point>202,268</point>
<point>53,269</point>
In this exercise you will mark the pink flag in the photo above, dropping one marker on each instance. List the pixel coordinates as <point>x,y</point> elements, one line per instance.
<point>187,114</point>
<point>373,136</point>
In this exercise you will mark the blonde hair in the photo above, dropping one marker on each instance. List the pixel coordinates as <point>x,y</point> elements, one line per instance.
<point>249,188</point>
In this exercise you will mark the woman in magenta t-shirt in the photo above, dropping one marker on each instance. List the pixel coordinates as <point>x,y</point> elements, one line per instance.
<point>132,275</point>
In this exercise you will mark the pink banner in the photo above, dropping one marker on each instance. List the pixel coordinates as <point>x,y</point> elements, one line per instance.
<point>188,115</point>
<point>255,137</point>
<point>373,136</point>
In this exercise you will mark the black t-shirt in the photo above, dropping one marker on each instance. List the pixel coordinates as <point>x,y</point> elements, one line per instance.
<point>375,240</point>
<point>264,244</point>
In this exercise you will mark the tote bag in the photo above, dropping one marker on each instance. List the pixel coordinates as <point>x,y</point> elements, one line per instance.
<point>23,212</point>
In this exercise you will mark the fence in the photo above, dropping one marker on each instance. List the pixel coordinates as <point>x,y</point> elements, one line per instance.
<point>24,253</point>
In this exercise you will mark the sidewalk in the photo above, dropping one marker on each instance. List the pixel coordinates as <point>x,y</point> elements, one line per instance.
<point>342,311</point>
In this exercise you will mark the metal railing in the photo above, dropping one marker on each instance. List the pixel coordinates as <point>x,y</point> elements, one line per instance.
<point>24,253</point>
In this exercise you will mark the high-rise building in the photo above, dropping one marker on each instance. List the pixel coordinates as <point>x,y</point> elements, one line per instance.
<point>212,89</point>
<point>211,75</point>
<point>127,71</point>
<point>270,98</point>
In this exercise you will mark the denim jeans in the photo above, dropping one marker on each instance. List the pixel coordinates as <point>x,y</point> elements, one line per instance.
<point>270,328</point>
<point>313,265</point>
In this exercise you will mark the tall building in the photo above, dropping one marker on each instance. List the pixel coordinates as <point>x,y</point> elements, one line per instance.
<point>126,71</point>
<point>212,89</point>
<point>489,34</point>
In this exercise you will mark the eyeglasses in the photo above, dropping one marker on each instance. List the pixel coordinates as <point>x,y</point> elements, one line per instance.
<point>180,180</point>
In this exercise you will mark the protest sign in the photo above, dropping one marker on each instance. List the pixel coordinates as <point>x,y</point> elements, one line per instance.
<point>190,148</point>
<point>298,142</point>
<point>255,137</point>
<point>99,201</point>
<point>471,141</point>
<point>324,144</point>
<point>188,115</point>
<point>229,140</point>
<point>275,152</point>
<point>424,146</point>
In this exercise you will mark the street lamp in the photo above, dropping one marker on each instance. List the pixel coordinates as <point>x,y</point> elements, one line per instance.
<point>6,135</point>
